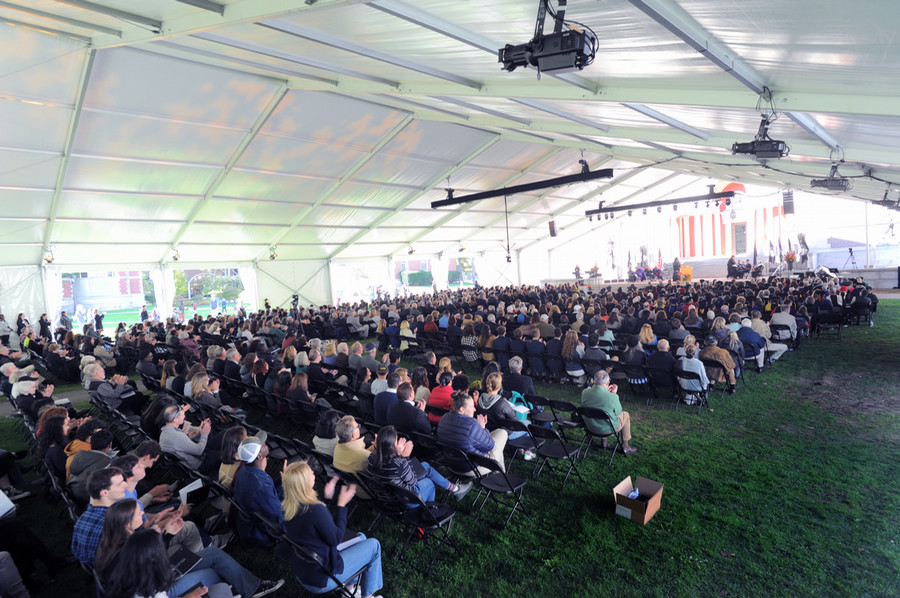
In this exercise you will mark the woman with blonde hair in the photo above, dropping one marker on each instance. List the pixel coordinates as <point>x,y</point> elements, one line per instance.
<point>719,329</point>
<point>646,336</point>
<point>572,353</point>
<point>689,341</point>
<point>204,392</point>
<point>308,522</point>
<point>405,331</point>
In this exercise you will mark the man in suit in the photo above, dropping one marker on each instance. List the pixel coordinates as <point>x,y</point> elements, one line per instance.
<point>385,399</point>
<point>233,364</point>
<point>515,380</point>
<point>407,416</point>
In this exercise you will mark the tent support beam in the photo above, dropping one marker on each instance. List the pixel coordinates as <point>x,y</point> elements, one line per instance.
<point>67,150</point>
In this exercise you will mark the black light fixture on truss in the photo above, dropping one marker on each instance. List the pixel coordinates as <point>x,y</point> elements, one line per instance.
<point>727,195</point>
<point>564,50</point>
<point>833,182</point>
<point>585,175</point>
<point>763,147</point>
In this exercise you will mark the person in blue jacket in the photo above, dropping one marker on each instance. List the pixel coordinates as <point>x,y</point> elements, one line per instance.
<point>255,491</point>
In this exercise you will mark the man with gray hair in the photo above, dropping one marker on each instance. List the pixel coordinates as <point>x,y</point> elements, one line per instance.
<point>350,453</point>
<point>515,380</point>
<point>602,395</point>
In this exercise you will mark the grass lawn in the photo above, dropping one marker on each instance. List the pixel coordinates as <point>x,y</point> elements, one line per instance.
<point>789,488</point>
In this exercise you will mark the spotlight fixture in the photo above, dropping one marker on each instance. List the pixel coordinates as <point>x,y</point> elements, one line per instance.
<point>176,256</point>
<point>461,248</point>
<point>696,205</point>
<point>629,212</point>
<point>508,259</point>
<point>591,218</point>
<point>833,182</point>
<point>733,214</point>
<point>707,203</point>
<point>49,258</point>
<point>644,211</point>
<point>411,250</point>
<point>659,209</point>
<point>763,147</point>
<point>675,208</point>
<point>272,253</point>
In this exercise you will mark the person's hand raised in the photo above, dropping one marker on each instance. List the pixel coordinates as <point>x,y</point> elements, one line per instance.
<point>346,495</point>
<point>328,493</point>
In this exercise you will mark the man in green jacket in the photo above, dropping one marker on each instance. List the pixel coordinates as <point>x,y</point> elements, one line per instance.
<point>602,395</point>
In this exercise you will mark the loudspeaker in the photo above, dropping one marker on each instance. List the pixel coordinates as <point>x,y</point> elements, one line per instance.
<point>552,224</point>
<point>788,198</point>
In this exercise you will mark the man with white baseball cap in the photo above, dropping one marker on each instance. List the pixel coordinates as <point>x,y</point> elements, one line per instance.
<point>255,491</point>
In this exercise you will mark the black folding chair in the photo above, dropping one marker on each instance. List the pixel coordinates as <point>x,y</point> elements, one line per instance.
<point>701,396</point>
<point>555,449</point>
<point>432,518</point>
<point>498,482</point>
<point>601,417</point>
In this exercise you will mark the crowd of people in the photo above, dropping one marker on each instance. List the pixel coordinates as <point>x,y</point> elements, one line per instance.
<point>319,368</point>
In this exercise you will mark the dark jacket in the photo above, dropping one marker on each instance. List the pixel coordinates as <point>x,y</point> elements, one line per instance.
<point>383,402</point>
<point>463,432</point>
<point>254,491</point>
<point>315,529</point>
<point>519,383</point>
<point>408,418</point>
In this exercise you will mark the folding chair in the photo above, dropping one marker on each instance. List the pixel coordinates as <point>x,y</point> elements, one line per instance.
<point>555,449</point>
<point>702,396</point>
<point>719,370</point>
<point>661,379</point>
<point>308,556</point>
<point>603,417</point>
<point>527,442</point>
<point>434,519</point>
<point>498,482</point>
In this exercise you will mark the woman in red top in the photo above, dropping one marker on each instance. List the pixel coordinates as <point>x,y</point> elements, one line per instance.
<point>440,396</point>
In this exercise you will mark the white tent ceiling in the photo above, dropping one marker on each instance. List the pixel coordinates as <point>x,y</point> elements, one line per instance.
<point>328,127</point>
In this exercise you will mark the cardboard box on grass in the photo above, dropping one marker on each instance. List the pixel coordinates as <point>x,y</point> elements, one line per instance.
<point>640,510</point>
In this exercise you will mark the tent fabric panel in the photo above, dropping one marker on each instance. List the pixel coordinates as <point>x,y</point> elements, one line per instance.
<point>128,136</point>
<point>34,126</point>
<point>249,211</point>
<point>26,169</point>
<point>285,155</point>
<point>28,203</point>
<point>278,187</point>
<point>203,232</point>
<point>315,235</point>
<point>112,231</point>
<point>332,120</point>
<point>138,82</point>
<point>39,67</point>
<point>86,204</point>
<point>120,175</point>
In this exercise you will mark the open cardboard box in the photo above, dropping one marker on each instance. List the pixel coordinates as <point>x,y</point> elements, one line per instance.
<point>642,509</point>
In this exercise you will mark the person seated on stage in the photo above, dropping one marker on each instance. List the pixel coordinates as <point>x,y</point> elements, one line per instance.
<point>731,269</point>
<point>602,395</point>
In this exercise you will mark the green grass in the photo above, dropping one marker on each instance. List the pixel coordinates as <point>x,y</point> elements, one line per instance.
<point>789,488</point>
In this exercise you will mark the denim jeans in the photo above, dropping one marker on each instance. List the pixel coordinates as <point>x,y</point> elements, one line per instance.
<point>354,557</point>
<point>223,568</point>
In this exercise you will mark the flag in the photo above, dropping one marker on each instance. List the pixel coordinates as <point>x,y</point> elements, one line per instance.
<point>659,261</point>
<point>629,259</point>
<point>771,253</point>
<point>754,254</point>
<point>780,254</point>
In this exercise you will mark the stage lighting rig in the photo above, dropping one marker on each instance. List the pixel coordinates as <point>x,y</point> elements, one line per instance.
<point>763,147</point>
<point>571,46</point>
<point>833,182</point>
